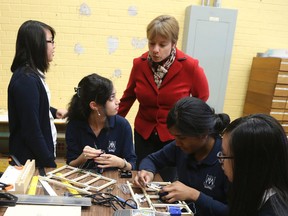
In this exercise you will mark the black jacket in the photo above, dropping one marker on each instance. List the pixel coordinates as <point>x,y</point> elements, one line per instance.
<point>29,122</point>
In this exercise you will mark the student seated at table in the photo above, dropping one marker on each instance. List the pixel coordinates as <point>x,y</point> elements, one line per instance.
<point>201,180</point>
<point>96,136</point>
<point>255,159</point>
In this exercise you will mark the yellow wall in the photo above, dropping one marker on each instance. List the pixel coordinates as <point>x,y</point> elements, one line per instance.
<point>84,30</point>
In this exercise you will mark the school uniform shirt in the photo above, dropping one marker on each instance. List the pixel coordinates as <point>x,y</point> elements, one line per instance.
<point>184,78</point>
<point>29,121</point>
<point>116,140</point>
<point>53,127</point>
<point>206,176</point>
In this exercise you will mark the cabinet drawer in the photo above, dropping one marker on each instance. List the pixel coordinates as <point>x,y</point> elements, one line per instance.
<point>277,114</point>
<point>281,90</point>
<point>279,103</point>
<point>285,127</point>
<point>282,77</point>
<point>280,114</point>
<point>284,65</point>
<point>285,116</point>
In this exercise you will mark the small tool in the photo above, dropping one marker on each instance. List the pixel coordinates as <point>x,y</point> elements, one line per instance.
<point>13,161</point>
<point>154,186</point>
<point>174,210</point>
<point>7,199</point>
<point>125,174</point>
<point>100,170</point>
<point>6,187</point>
<point>161,194</point>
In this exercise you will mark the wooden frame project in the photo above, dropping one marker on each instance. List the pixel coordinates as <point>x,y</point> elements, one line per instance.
<point>150,199</point>
<point>78,179</point>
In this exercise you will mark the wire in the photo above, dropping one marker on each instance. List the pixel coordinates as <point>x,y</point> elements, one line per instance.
<point>109,200</point>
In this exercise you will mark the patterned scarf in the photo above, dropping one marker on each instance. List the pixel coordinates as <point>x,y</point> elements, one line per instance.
<point>160,69</point>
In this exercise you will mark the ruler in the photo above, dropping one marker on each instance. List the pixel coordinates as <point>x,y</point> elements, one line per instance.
<point>53,200</point>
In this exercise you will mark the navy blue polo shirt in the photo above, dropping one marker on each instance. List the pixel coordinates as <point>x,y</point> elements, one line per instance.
<point>207,176</point>
<point>116,139</point>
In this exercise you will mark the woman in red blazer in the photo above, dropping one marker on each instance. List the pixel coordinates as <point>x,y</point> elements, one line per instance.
<point>158,79</point>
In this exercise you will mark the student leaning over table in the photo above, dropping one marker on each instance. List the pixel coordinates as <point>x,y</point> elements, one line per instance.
<point>201,180</point>
<point>94,126</point>
<point>31,119</point>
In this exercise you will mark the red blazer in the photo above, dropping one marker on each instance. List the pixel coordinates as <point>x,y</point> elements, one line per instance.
<point>184,78</point>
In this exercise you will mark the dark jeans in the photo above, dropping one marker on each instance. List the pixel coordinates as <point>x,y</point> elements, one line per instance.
<point>145,147</point>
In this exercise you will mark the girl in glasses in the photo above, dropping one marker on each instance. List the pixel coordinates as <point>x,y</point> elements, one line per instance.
<point>259,168</point>
<point>31,118</point>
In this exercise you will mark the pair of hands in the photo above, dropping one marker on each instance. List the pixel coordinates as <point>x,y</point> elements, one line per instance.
<point>102,159</point>
<point>176,190</point>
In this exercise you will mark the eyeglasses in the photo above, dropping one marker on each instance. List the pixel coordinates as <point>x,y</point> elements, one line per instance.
<point>50,41</point>
<point>221,157</point>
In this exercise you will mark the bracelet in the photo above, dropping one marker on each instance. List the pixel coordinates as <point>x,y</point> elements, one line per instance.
<point>125,163</point>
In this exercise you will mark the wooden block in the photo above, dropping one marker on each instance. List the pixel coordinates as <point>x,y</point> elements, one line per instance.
<point>25,177</point>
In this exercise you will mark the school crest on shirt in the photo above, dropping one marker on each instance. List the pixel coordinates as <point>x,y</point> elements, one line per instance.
<point>209,182</point>
<point>111,146</point>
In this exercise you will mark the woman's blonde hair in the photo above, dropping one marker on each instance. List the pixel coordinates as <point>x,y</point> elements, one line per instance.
<point>165,26</point>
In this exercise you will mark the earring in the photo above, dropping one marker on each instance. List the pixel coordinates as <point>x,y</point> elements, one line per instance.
<point>98,113</point>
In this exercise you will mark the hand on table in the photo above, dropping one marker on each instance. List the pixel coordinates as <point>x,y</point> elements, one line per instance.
<point>177,191</point>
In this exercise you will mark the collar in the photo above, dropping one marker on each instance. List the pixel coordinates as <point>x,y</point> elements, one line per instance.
<point>180,56</point>
<point>85,124</point>
<point>211,158</point>
<point>267,194</point>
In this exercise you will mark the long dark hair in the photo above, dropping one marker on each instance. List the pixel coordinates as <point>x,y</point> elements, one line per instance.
<point>31,46</point>
<point>91,88</point>
<point>193,117</point>
<point>259,146</point>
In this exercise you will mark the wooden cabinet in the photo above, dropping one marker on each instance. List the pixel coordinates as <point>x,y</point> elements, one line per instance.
<point>267,90</point>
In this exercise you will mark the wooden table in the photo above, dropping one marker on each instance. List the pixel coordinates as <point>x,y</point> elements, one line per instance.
<point>94,209</point>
